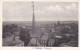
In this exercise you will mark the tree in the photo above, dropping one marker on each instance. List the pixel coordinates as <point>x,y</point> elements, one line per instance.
<point>24,36</point>
<point>6,31</point>
<point>65,29</point>
<point>14,29</point>
<point>9,30</point>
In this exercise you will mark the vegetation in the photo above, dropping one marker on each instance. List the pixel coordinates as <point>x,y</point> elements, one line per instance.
<point>69,33</point>
<point>24,36</point>
<point>8,30</point>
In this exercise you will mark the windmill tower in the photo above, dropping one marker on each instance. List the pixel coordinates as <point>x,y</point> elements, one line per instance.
<point>33,41</point>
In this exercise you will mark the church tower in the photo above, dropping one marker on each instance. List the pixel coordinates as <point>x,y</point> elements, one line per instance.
<point>34,40</point>
<point>33,20</point>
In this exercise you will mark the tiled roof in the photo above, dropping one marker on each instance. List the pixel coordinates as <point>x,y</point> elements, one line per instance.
<point>44,37</point>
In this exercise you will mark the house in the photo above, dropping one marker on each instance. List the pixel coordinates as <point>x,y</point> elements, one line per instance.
<point>51,42</point>
<point>34,40</point>
<point>9,41</point>
<point>44,40</point>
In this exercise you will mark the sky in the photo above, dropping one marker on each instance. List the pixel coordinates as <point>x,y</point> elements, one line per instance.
<point>43,11</point>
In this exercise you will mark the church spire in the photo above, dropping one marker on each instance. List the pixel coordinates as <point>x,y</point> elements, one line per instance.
<point>33,20</point>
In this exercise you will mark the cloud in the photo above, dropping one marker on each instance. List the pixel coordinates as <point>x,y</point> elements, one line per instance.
<point>40,12</point>
<point>58,12</point>
<point>72,6</point>
<point>50,9</point>
<point>56,8</point>
<point>44,12</point>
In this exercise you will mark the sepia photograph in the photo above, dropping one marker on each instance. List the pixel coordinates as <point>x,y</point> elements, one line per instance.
<point>40,24</point>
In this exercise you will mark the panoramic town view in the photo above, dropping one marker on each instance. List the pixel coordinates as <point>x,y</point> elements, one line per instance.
<point>42,24</point>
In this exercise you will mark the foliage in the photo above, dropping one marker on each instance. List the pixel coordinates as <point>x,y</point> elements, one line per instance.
<point>9,30</point>
<point>24,36</point>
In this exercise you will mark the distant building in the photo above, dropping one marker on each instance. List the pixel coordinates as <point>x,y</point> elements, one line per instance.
<point>58,22</point>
